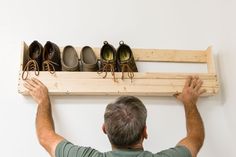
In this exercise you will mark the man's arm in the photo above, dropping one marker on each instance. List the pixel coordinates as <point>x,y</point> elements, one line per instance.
<point>44,121</point>
<point>195,129</point>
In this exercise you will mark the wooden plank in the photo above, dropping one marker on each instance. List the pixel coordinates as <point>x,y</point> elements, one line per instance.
<point>137,75</point>
<point>83,88</point>
<point>183,56</point>
<point>210,61</point>
<point>60,84</point>
<point>109,81</point>
<point>24,50</point>
<point>162,55</point>
<point>90,87</point>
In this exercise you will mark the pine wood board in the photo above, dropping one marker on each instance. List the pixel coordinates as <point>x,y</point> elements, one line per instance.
<point>162,55</point>
<point>90,83</point>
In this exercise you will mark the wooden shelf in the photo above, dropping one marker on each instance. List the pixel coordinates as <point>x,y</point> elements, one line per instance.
<point>143,84</point>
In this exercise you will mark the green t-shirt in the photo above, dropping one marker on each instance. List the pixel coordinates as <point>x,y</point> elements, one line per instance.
<point>67,149</point>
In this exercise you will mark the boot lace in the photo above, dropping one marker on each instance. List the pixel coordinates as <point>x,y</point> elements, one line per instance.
<point>48,65</point>
<point>129,70</point>
<point>106,67</point>
<point>31,65</point>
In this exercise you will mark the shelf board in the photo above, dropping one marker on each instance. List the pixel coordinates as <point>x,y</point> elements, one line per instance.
<point>143,84</point>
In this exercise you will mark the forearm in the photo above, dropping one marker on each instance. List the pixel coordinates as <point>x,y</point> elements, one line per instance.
<point>44,120</point>
<point>194,125</point>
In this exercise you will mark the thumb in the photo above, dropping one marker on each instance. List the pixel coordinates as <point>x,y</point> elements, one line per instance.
<point>178,95</point>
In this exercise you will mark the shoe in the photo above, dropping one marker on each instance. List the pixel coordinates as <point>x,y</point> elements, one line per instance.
<point>51,58</point>
<point>125,60</point>
<point>89,61</point>
<point>33,59</point>
<point>70,59</point>
<point>108,59</point>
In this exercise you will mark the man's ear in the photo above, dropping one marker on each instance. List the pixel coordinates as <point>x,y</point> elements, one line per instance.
<point>104,129</point>
<point>145,135</point>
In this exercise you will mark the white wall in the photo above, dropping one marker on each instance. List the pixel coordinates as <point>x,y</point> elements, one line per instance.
<point>183,24</point>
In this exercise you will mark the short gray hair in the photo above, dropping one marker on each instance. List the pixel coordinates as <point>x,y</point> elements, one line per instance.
<point>125,120</point>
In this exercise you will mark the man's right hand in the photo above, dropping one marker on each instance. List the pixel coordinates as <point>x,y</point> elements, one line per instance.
<point>191,91</point>
<point>194,124</point>
<point>37,90</point>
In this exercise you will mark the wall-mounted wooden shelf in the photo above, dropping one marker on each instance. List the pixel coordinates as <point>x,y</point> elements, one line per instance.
<point>143,84</point>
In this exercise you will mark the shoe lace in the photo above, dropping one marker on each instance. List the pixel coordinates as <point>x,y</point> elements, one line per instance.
<point>105,68</point>
<point>129,70</point>
<point>31,65</point>
<point>48,65</point>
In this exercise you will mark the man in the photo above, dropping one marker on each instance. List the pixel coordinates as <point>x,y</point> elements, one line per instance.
<point>124,124</point>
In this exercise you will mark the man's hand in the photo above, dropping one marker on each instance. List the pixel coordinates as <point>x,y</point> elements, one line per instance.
<point>37,90</point>
<point>44,121</point>
<point>194,124</point>
<point>191,91</point>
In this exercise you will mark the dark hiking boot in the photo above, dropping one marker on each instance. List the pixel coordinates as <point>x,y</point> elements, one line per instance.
<point>125,60</point>
<point>89,61</point>
<point>33,61</point>
<point>70,59</point>
<point>108,59</point>
<point>51,58</point>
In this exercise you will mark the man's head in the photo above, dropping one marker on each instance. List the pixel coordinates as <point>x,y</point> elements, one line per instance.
<point>125,121</point>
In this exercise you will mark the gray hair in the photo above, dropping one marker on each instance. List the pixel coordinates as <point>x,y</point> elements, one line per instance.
<point>125,120</point>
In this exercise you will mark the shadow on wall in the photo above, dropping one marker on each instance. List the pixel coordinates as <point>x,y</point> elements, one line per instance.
<point>221,95</point>
<point>227,77</point>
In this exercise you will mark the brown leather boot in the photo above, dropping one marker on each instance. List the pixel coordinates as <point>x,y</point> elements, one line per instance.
<point>89,61</point>
<point>125,60</point>
<point>70,59</point>
<point>108,59</point>
<point>51,58</point>
<point>33,59</point>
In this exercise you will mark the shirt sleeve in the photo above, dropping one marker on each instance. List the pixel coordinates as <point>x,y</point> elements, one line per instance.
<point>67,149</point>
<point>178,151</point>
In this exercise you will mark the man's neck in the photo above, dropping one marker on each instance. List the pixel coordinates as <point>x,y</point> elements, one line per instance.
<point>138,146</point>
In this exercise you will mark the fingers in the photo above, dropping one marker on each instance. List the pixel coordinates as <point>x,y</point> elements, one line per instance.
<point>188,81</point>
<point>28,86</point>
<point>31,83</point>
<point>199,85</point>
<point>34,81</point>
<point>194,82</point>
<point>37,81</point>
<point>177,94</point>
<point>200,92</point>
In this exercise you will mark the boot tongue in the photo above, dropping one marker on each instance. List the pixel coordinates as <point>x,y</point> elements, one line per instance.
<point>50,53</point>
<point>35,54</point>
